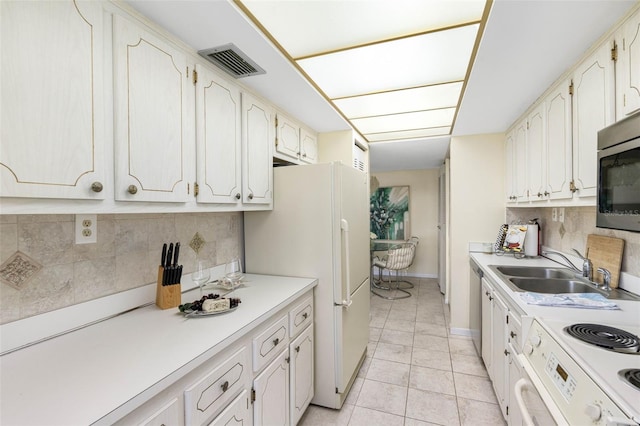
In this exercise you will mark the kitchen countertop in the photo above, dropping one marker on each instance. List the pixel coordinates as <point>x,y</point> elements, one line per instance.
<point>104,371</point>
<point>629,312</point>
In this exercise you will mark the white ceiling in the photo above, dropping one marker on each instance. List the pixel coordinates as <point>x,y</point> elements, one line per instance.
<point>526,46</point>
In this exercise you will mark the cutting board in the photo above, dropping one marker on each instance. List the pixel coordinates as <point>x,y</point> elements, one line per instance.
<point>605,252</point>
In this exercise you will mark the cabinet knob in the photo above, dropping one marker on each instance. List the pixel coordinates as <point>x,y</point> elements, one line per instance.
<point>506,352</point>
<point>96,187</point>
<point>225,386</point>
<point>490,298</point>
<point>304,155</point>
<point>132,189</point>
<point>297,348</point>
<point>276,341</point>
<point>513,335</point>
<point>486,293</point>
<point>305,315</point>
<point>546,193</point>
<point>539,194</point>
<point>238,196</point>
<point>250,196</point>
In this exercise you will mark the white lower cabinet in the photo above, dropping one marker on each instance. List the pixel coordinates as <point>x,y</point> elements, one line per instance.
<point>236,413</point>
<point>167,415</point>
<point>271,387</point>
<point>301,353</point>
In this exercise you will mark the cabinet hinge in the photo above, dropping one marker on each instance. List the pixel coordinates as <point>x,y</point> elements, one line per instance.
<point>276,121</point>
<point>276,142</point>
<point>571,88</point>
<point>196,189</point>
<point>507,319</point>
<point>188,189</point>
<point>195,77</point>
<point>507,410</point>
<point>253,395</point>
<point>614,52</point>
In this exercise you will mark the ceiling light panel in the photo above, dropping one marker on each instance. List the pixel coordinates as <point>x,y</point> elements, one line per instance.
<point>409,62</point>
<point>406,100</point>
<point>408,134</point>
<point>333,25</point>
<point>408,121</point>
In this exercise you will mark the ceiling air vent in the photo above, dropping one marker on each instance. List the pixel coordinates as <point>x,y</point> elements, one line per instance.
<point>232,60</point>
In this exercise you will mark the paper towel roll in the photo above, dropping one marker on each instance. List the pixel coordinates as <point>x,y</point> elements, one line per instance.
<point>531,241</point>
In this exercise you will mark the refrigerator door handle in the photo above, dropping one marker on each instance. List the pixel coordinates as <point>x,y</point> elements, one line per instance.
<point>344,226</point>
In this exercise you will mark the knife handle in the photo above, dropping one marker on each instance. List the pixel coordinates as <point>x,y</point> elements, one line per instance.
<point>163,261</point>
<point>176,254</point>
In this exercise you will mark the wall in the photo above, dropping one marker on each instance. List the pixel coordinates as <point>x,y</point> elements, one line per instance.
<point>423,213</point>
<point>578,223</point>
<point>126,255</point>
<point>477,208</point>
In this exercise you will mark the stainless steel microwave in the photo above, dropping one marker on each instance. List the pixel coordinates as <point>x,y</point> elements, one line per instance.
<point>619,175</point>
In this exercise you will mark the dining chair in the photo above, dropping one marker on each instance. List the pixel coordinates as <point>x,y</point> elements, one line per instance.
<point>398,257</point>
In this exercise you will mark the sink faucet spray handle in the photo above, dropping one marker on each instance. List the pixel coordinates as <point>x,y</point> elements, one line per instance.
<point>606,278</point>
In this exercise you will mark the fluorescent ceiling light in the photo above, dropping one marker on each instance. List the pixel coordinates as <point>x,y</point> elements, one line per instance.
<point>394,69</point>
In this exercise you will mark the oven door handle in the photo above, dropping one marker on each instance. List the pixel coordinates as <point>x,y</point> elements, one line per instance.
<point>522,385</point>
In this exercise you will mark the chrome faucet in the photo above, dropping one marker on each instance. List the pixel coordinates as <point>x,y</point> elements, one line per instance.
<point>606,279</point>
<point>569,263</point>
<point>587,266</point>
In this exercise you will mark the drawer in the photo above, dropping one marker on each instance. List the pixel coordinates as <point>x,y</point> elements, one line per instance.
<point>267,344</point>
<point>167,415</point>
<point>210,394</point>
<point>300,317</point>
<point>236,413</point>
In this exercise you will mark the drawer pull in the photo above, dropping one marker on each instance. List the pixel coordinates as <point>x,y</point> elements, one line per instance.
<point>297,348</point>
<point>225,386</point>
<point>305,315</point>
<point>276,341</point>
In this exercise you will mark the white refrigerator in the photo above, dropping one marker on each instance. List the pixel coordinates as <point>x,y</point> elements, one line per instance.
<point>319,227</point>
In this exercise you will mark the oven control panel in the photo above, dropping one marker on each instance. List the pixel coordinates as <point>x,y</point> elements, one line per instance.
<point>565,385</point>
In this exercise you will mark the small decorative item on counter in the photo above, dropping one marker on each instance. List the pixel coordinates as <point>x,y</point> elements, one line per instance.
<point>168,292</point>
<point>514,240</point>
<point>210,304</point>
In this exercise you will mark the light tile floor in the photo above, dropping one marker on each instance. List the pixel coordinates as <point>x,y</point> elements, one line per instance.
<point>415,373</point>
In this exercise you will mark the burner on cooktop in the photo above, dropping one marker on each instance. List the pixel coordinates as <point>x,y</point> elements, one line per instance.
<point>607,337</point>
<point>631,376</point>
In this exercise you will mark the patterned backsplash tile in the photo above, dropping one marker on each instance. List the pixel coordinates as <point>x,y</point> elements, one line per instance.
<point>126,255</point>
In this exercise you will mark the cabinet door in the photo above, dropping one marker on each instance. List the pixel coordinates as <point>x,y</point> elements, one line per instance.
<point>52,100</point>
<point>535,154</point>
<point>257,142</point>
<point>509,146</point>
<point>515,373</point>
<point>151,116</point>
<point>558,156</point>
<point>237,413</point>
<point>218,142</point>
<point>593,109</point>
<point>271,405</point>
<point>308,147</point>
<point>301,350</point>
<point>520,161</point>
<point>487,322</point>
<point>628,67</point>
<point>499,351</point>
<point>287,138</point>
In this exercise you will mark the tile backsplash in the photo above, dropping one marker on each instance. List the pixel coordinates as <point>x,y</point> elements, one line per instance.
<point>578,223</point>
<point>126,255</point>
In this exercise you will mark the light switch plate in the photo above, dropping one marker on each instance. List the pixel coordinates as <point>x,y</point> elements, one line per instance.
<point>561,214</point>
<point>554,214</point>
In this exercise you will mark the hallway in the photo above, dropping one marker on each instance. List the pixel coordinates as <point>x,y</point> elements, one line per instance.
<point>415,373</point>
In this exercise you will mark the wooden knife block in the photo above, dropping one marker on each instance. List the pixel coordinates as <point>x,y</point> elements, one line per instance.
<point>167,296</point>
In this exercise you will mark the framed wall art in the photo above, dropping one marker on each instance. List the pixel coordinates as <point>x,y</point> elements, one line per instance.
<point>389,213</point>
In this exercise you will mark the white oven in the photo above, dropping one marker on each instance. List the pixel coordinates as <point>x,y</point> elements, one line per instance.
<point>578,382</point>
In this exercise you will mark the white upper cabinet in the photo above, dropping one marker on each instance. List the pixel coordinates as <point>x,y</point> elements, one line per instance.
<point>308,146</point>
<point>628,67</point>
<point>558,158</point>
<point>258,124</point>
<point>218,141</point>
<point>153,103</point>
<point>520,161</point>
<point>509,147</point>
<point>52,99</point>
<point>287,138</point>
<point>593,109</point>
<point>535,153</point>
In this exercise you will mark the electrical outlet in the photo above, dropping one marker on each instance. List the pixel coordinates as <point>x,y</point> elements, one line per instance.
<point>554,214</point>
<point>86,228</point>
<point>561,214</point>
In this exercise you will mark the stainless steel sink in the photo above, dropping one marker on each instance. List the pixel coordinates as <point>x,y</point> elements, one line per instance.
<point>536,272</point>
<point>553,285</point>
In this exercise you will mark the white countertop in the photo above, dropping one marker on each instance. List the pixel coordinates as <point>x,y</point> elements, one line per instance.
<point>103,371</point>
<point>629,312</point>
